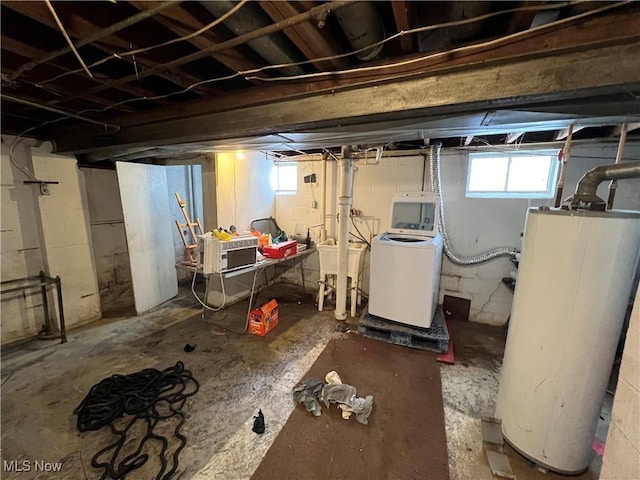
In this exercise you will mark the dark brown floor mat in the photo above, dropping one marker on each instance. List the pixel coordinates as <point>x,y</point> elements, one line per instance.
<point>405,438</point>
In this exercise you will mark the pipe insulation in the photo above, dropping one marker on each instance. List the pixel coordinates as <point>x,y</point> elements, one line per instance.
<point>436,184</point>
<point>344,209</point>
<point>588,184</point>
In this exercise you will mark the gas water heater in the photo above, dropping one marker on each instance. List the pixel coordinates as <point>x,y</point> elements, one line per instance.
<point>573,287</point>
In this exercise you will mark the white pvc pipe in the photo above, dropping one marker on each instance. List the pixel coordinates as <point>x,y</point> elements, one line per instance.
<point>344,209</point>
<point>323,231</point>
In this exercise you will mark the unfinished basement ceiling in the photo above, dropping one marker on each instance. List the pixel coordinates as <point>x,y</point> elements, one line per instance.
<point>165,79</point>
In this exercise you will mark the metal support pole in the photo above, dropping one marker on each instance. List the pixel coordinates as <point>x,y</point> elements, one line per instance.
<point>566,153</point>
<point>613,185</point>
<point>48,331</point>
<point>63,329</point>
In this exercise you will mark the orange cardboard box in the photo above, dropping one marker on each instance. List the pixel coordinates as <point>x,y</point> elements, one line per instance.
<point>264,318</point>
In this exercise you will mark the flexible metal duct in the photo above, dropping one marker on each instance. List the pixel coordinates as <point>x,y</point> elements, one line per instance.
<point>274,48</point>
<point>588,184</point>
<point>435,183</point>
<point>363,27</point>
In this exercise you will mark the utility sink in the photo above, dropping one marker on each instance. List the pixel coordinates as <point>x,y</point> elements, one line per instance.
<point>328,251</point>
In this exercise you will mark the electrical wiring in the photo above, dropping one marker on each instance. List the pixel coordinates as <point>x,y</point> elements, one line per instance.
<point>246,325</point>
<point>487,302</point>
<point>445,54</point>
<point>204,305</point>
<point>209,26</point>
<point>370,68</point>
<point>362,237</point>
<point>66,37</point>
<point>245,73</point>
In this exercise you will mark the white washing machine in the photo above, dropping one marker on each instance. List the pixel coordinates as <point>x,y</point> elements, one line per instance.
<point>406,262</point>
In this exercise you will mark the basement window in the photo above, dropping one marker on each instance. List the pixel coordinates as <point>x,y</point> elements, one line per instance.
<point>512,175</point>
<point>284,178</point>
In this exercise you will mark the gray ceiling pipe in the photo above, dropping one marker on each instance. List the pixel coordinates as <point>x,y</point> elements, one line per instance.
<point>463,11</point>
<point>588,184</point>
<point>274,48</point>
<point>363,27</point>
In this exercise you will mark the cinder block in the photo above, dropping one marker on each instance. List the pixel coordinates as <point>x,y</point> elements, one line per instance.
<point>621,458</point>
<point>626,412</point>
<point>450,283</point>
<point>630,368</point>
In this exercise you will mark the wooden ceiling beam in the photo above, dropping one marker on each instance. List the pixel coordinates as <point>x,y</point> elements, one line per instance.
<point>512,137</point>
<point>315,12</point>
<point>312,41</point>
<point>613,29</point>
<point>403,14</point>
<point>522,20</point>
<point>530,80</point>
<point>92,38</point>
<point>182,23</point>
<point>79,27</point>
<point>564,133</point>
<point>28,51</point>
<point>630,127</point>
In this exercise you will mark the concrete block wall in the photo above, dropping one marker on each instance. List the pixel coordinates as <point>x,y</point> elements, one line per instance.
<point>67,235</point>
<point>474,225</point>
<point>243,189</point>
<point>187,181</point>
<point>110,249</point>
<point>622,450</point>
<point>21,250</point>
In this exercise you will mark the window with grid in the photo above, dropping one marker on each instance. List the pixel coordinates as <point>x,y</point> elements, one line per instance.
<point>512,175</point>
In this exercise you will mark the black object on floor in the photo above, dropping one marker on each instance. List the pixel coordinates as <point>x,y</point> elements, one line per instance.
<point>435,338</point>
<point>151,396</point>
<point>189,348</point>
<point>258,423</point>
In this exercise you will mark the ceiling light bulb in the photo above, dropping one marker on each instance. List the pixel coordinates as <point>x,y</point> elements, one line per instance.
<point>239,154</point>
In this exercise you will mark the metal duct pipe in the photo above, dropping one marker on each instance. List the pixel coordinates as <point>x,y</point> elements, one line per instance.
<point>344,209</point>
<point>434,161</point>
<point>274,48</point>
<point>363,27</point>
<point>588,184</point>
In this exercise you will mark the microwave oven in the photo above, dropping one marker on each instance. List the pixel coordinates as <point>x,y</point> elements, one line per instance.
<point>220,256</point>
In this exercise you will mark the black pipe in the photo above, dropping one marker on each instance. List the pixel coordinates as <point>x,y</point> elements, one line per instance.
<point>63,330</point>
<point>45,305</point>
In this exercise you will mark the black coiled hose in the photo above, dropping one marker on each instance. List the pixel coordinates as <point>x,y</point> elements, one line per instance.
<point>149,395</point>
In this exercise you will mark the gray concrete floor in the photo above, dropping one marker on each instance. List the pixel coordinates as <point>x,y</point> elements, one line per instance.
<point>42,382</point>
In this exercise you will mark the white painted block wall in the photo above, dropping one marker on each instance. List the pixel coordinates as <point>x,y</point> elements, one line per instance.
<point>243,187</point>
<point>67,235</point>
<point>20,246</point>
<point>474,225</point>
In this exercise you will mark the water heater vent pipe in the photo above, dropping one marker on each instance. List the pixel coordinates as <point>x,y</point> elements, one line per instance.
<point>585,194</point>
<point>435,184</point>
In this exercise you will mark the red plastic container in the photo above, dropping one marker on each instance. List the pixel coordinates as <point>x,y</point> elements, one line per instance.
<point>280,250</point>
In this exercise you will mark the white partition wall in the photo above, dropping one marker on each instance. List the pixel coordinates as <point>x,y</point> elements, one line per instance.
<point>148,224</point>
